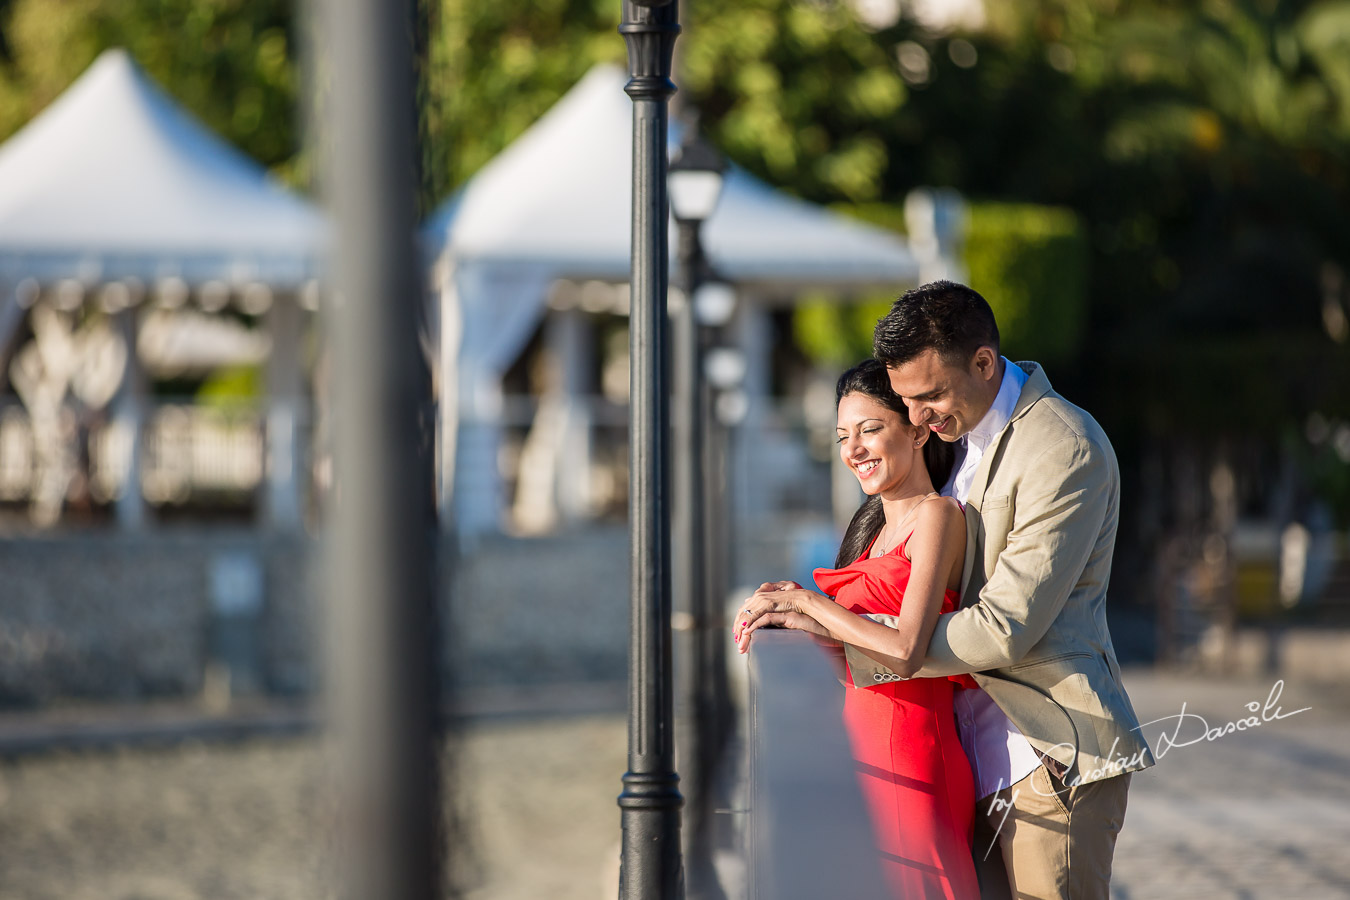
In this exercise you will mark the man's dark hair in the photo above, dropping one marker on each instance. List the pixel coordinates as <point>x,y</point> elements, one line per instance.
<point>942,315</point>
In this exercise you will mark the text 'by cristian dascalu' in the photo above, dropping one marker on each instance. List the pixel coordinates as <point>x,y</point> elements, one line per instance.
<point>1190,729</point>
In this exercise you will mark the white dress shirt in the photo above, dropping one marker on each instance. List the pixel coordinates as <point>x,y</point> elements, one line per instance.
<point>999,754</point>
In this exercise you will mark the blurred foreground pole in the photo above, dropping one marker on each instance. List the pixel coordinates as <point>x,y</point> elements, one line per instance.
<point>650,802</point>
<point>380,673</point>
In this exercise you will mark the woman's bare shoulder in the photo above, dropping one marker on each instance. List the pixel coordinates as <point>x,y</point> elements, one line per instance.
<point>937,521</point>
<point>939,512</point>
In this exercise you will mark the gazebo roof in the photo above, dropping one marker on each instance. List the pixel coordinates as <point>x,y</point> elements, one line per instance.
<point>560,196</point>
<point>115,180</point>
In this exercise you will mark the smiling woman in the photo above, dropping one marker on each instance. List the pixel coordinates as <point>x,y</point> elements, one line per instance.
<point>873,421</point>
<point>901,557</point>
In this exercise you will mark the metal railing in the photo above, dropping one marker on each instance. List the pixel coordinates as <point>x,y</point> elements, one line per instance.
<point>189,453</point>
<point>569,456</point>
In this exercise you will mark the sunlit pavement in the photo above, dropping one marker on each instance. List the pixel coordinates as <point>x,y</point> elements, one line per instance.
<point>533,802</point>
<point>1261,811</point>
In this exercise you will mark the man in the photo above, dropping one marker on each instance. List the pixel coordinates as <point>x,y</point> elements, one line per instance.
<point>1051,735</point>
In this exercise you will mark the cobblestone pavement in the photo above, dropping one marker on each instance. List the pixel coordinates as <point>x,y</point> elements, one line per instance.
<point>1261,813</point>
<point>536,800</point>
<point>191,821</point>
<point>542,806</point>
<point>1252,814</point>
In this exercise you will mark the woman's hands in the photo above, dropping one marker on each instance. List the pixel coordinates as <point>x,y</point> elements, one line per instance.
<point>778,604</point>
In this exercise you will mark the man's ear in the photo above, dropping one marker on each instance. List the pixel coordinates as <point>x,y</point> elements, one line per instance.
<point>984,364</point>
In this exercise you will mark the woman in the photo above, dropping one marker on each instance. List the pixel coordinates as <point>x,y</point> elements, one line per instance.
<point>901,556</point>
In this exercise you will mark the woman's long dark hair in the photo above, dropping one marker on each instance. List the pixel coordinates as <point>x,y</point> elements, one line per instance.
<point>869,378</point>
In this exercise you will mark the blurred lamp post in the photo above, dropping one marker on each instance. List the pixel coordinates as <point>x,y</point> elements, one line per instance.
<point>695,186</point>
<point>381,680</point>
<point>650,867</point>
<point>696,176</point>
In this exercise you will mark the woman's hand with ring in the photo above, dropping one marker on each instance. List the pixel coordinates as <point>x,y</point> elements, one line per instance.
<point>776,605</point>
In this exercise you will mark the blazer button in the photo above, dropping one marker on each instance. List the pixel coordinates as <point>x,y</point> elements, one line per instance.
<point>878,677</point>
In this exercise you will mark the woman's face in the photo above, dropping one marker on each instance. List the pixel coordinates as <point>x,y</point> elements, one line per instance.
<point>877,443</point>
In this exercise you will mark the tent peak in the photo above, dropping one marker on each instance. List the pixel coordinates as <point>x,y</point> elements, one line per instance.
<point>114,56</point>
<point>560,196</point>
<point>116,171</point>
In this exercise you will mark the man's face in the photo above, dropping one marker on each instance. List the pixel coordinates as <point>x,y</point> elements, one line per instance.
<point>948,400</point>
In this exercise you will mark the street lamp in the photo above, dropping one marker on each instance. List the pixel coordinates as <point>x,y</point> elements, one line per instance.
<point>696,176</point>
<point>650,866</point>
<point>695,186</point>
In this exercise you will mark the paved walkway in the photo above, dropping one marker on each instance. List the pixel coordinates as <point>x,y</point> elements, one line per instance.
<point>1254,814</point>
<point>1262,814</point>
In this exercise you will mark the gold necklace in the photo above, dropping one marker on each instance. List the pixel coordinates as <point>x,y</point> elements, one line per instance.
<point>886,544</point>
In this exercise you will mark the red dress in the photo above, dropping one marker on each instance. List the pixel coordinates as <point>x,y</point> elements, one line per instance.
<point>915,777</point>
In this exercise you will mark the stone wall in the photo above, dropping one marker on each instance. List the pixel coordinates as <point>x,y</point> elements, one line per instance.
<point>132,617</point>
<point>106,616</point>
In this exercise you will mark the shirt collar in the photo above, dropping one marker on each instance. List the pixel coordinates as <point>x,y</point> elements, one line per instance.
<point>1014,378</point>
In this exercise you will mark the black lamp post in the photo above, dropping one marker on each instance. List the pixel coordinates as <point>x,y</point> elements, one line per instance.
<point>650,867</point>
<point>695,186</point>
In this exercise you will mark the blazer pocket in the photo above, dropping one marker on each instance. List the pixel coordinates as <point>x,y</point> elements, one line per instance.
<point>989,503</point>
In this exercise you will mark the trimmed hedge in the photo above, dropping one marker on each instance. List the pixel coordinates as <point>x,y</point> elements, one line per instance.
<point>1029,262</point>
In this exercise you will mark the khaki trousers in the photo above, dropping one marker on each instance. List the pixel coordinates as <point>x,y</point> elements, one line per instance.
<point>1041,840</point>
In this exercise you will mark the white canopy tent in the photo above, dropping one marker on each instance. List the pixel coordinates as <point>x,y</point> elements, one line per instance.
<point>556,205</point>
<point>114,180</point>
<point>115,189</point>
<point>559,197</point>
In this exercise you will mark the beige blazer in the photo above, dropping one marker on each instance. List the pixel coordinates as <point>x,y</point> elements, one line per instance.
<point>1040,529</point>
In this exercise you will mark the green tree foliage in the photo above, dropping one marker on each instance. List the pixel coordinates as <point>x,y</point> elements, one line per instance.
<point>231,62</point>
<point>1031,264</point>
<point>1204,148</point>
<point>235,388</point>
<point>797,92</point>
<point>791,90</point>
<point>495,68</point>
<point>835,332</point>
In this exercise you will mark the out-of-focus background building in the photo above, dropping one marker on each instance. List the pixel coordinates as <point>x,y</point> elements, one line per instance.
<point>1151,198</point>
<point>1151,195</point>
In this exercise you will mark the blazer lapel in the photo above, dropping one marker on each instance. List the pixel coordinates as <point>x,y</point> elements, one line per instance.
<point>974,502</point>
<point>980,483</point>
<point>1037,386</point>
<point>972,532</point>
